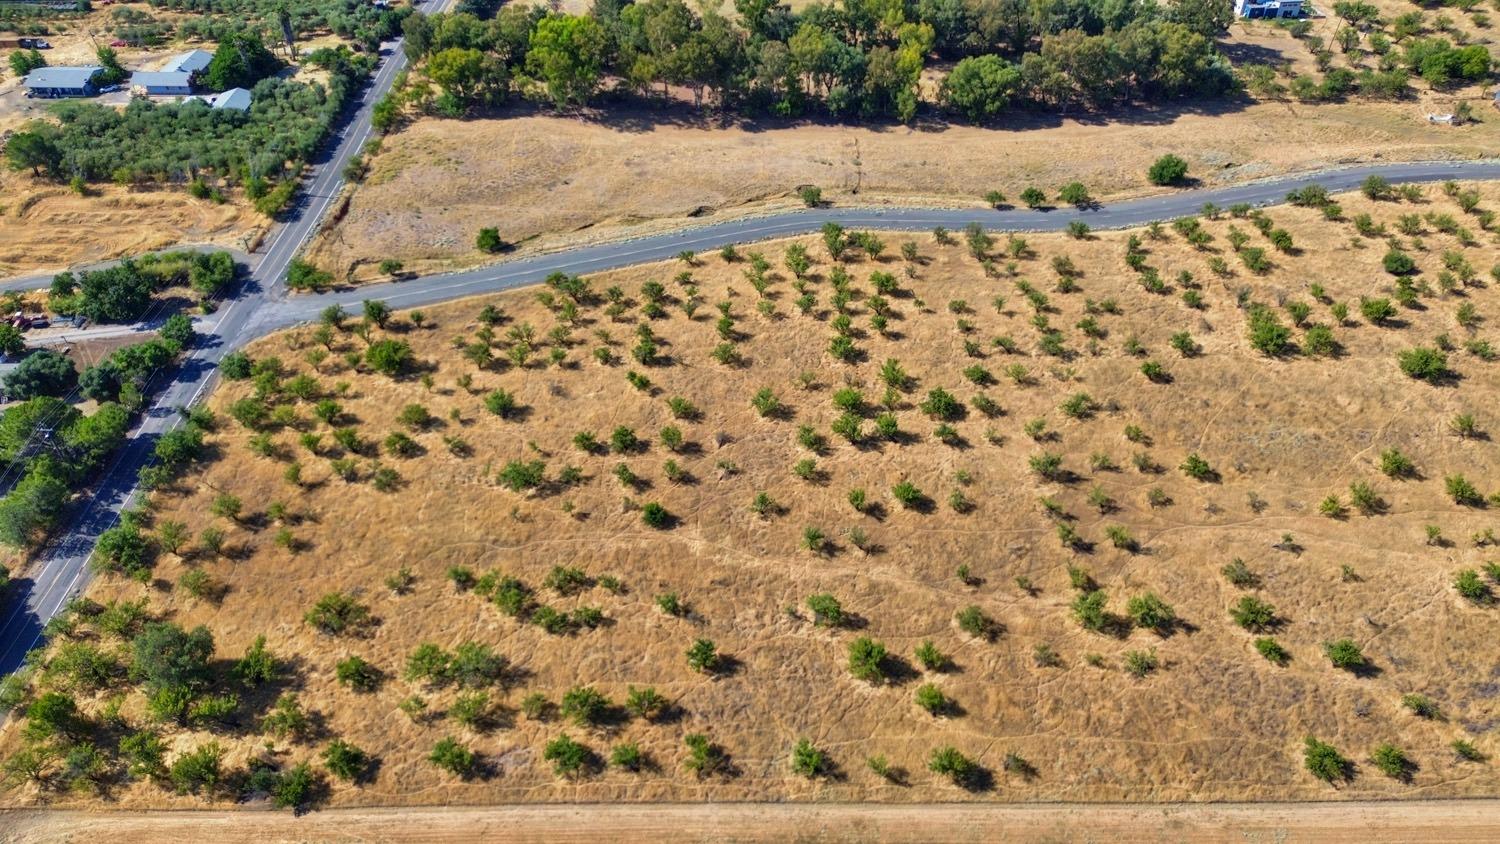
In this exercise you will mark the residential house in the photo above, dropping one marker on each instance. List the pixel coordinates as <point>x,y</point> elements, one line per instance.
<point>161,83</point>
<point>193,61</point>
<point>54,82</point>
<point>1251,9</point>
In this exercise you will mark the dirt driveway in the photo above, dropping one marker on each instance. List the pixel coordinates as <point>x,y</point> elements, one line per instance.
<point>1282,823</point>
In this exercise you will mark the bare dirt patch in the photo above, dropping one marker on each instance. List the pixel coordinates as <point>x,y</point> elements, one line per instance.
<point>1214,721</point>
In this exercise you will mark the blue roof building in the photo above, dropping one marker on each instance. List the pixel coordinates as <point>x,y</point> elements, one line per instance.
<point>54,82</point>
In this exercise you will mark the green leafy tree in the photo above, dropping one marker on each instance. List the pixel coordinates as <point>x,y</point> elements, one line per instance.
<point>240,61</point>
<point>566,52</point>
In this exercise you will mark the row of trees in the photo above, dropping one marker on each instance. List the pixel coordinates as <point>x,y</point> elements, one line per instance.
<point>859,59</point>
<point>284,20</point>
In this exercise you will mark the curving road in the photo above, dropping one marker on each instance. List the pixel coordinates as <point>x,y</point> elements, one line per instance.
<point>262,305</point>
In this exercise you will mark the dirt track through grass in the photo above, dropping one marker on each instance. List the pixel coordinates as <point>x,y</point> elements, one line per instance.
<point>1285,823</point>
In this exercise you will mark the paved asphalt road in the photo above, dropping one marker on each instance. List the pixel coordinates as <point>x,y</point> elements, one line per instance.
<point>262,306</point>
<point>60,570</point>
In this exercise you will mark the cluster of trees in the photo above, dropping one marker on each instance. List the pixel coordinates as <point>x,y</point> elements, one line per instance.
<point>861,58</point>
<point>53,448</point>
<point>178,143</point>
<point>240,61</point>
<point>51,445</point>
<point>122,293</point>
<point>176,670</point>
<point>355,20</point>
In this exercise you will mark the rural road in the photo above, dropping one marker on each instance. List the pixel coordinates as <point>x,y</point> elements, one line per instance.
<point>1392,822</point>
<point>262,305</point>
<point>59,571</point>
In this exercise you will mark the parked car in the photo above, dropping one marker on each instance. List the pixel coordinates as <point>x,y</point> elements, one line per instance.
<point>110,89</point>
<point>118,42</point>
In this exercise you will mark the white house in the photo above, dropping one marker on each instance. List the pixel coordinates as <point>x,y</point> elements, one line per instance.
<point>193,61</point>
<point>1268,8</point>
<point>161,83</point>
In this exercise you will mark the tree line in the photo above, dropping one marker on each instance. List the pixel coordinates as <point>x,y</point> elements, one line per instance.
<point>859,59</point>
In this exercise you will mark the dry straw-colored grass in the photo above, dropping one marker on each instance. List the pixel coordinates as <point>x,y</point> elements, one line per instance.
<point>1215,722</point>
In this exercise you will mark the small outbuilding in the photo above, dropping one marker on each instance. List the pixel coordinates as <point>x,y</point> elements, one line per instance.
<point>56,82</point>
<point>235,99</point>
<point>161,83</point>
<point>193,61</point>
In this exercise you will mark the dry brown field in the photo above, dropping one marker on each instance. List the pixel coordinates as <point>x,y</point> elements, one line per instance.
<point>1213,721</point>
<point>547,182</point>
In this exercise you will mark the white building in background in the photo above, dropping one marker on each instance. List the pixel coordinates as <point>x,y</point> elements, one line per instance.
<point>1252,9</point>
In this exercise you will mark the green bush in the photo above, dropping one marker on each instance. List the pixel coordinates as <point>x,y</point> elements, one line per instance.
<point>1167,170</point>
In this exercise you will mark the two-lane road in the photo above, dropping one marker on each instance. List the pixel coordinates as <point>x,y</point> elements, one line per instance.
<point>60,570</point>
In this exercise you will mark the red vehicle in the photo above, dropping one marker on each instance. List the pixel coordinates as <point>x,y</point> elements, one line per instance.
<point>117,43</point>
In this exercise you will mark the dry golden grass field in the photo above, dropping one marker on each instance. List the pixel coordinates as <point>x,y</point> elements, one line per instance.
<point>45,225</point>
<point>546,181</point>
<point>1044,707</point>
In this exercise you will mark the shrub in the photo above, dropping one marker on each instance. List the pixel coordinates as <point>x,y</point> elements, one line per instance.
<point>488,240</point>
<point>1391,761</point>
<point>930,657</point>
<point>1424,364</point>
<point>584,705</point>
<point>197,770</point>
<point>1345,654</point>
<point>1140,663</point>
<point>654,515</point>
<point>942,405</point>
<point>1420,705</point>
<point>1462,491</point>
<point>826,610</point>
<point>932,699</point>
<point>1167,170</point>
<point>345,760</point>
<point>1468,585</point>
<point>703,657</point>
<point>907,494</point>
<point>646,702</point>
<point>1151,612</point>
<point>1397,262</point>
<point>337,613</point>
<point>1196,468</point>
<point>808,760</point>
<point>973,621</point>
<point>628,755</point>
<point>704,757</point>
<point>453,757</point>
<point>1252,613</point>
<point>1324,761</point>
<point>1272,650</point>
<point>867,660</point>
<point>358,674</point>
<point>1089,609</point>
<point>948,762</point>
